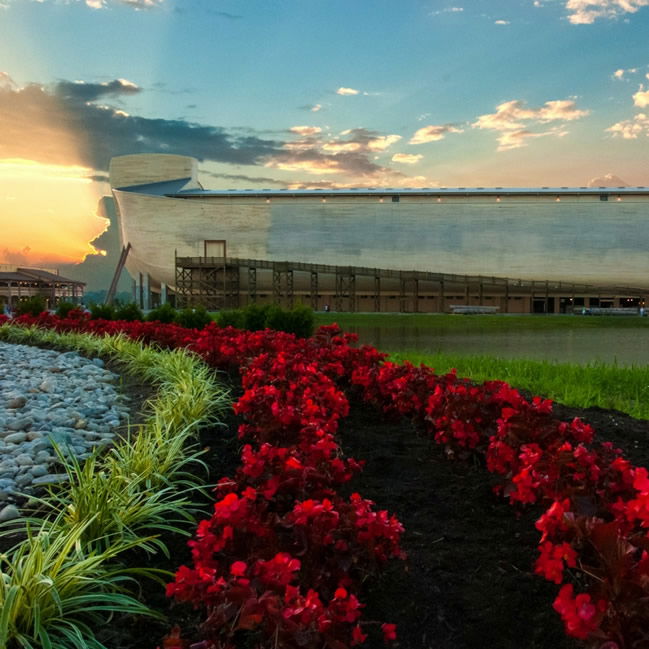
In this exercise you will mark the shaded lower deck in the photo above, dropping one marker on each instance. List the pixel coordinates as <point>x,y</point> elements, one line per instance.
<point>224,283</point>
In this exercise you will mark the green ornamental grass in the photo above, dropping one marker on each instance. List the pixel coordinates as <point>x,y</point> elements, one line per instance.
<point>64,581</point>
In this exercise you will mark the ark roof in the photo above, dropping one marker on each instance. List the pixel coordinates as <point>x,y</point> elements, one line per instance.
<point>409,191</point>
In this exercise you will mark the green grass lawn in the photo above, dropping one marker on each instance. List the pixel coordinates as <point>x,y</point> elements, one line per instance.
<point>598,384</point>
<point>474,323</point>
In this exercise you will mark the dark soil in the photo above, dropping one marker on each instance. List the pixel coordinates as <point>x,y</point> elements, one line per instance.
<point>468,581</point>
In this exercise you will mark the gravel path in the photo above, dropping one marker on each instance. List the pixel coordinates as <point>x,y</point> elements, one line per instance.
<point>48,396</point>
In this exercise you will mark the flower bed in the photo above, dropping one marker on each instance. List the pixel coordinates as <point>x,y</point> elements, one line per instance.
<point>279,524</point>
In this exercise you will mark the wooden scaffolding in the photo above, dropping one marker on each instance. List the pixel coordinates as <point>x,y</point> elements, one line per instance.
<point>224,283</point>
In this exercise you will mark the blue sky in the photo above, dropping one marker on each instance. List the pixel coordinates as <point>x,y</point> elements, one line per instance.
<point>322,93</point>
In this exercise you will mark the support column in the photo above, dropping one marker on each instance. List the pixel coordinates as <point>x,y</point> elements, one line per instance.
<point>140,290</point>
<point>403,307</point>
<point>252,284</point>
<point>277,285</point>
<point>377,293</point>
<point>289,288</point>
<point>163,293</point>
<point>147,292</point>
<point>314,290</point>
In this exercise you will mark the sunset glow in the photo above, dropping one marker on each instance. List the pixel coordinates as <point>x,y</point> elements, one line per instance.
<point>47,212</point>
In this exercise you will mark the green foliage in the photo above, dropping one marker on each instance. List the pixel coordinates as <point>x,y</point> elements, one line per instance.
<point>34,305</point>
<point>298,321</point>
<point>193,318</point>
<point>254,317</point>
<point>102,311</point>
<point>301,321</point>
<point>276,318</point>
<point>63,308</point>
<point>165,313</point>
<point>231,318</point>
<point>129,312</point>
<point>98,297</point>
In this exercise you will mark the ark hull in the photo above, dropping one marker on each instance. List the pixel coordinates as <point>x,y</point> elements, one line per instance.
<point>597,237</point>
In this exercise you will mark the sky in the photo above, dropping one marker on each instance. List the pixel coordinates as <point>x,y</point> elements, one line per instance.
<point>311,93</point>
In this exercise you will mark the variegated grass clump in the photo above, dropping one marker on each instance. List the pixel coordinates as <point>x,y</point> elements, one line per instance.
<point>113,502</point>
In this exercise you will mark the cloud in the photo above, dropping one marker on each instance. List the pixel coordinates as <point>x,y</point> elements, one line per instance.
<point>350,155</point>
<point>407,158</point>
<point>6,81</point>
<point>305,130</point>
<point>641,98</point>
<point>433,133</point>
<point>72,120</point>
<point>608,180</point>
<point>83,91</point>
<point>586,12</point>
<point>36,121</point>
<point>104,4</point>
<point>255,180</point>
<point>502,22</point>
<point>135,4</point>
<point>347,91</point>
<point>518,138</point>
<point>511,114</point>
<point>447,10</point>
<point>16,257</point>
<point>513,120</point>
<point>630,129</point>
<point>619,74</point>
<point>312,108</point>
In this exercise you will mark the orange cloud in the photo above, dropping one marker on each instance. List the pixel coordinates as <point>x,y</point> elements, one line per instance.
<point>586,12</point>
<point>313,166</point>
<point>641,98</point>
<point>407,158</point>
<point>513,120</point>
<point>630,129</point>
<point>433,133</point>
<point>305,130</point>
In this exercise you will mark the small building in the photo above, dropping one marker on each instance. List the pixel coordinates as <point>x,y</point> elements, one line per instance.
<point>18,283</point>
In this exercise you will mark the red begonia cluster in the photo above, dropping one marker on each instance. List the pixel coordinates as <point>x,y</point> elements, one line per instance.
<point>282,554</point>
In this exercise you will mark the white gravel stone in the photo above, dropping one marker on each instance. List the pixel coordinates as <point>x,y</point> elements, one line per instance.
<point>51,397</point>
<point>15,438</point>
<point>9,513</point>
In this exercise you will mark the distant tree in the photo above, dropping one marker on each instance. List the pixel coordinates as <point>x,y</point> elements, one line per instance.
<point>34,305</point>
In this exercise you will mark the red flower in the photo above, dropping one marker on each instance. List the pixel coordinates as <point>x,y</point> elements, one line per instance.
<point>238,568</point>
<point>550,563</point>
<point>389,632</point>
<point>358,637</point>
<point>580,616</point>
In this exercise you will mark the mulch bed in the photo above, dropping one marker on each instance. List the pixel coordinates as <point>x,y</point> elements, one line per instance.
<point>468,581</point>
